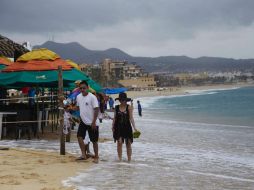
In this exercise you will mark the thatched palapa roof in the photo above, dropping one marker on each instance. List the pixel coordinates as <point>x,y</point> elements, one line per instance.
<point>9,48</point>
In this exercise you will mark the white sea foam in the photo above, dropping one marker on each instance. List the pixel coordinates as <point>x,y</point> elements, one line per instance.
<point>148,101</point>
<point>211,90</point>
<point>221,176</point>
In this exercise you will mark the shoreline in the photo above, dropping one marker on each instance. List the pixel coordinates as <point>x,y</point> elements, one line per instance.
<point>34,169</point>
<point>169,91</point>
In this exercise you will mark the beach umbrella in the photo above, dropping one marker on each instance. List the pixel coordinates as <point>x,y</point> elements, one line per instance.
<point>114,90</point>
<point>75,65</point>
<point>38,60</point>
<point>40,78</point>
<point>4,62</point>
<point>39,54</point>
<point>40,67</point>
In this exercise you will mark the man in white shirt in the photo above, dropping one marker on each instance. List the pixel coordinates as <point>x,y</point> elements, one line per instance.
<point>88,105</point>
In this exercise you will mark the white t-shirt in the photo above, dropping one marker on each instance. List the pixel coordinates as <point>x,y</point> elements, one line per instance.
<point>86,106</point>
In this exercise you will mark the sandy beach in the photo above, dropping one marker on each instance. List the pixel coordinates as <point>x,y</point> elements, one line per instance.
<point>29,169</point>
<point>32,169</point>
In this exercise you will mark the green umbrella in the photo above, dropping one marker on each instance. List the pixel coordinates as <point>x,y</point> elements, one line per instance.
<point>44,78</point>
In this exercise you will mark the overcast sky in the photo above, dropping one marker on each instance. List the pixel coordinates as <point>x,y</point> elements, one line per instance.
<point>219,28</point>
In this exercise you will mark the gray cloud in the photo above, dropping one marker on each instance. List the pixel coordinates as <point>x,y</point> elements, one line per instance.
<point>141,22</point>
<point>64,15</point>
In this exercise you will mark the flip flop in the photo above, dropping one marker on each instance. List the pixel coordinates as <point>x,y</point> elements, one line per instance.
<point>81,158</point>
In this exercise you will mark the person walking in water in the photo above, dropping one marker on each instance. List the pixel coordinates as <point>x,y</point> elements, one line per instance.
<point>111,103</point>
<point>139,109</point>
<point>122,126</point>
<point>87,103</point>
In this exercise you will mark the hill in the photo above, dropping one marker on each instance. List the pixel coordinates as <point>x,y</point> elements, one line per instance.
<point>80,54</point>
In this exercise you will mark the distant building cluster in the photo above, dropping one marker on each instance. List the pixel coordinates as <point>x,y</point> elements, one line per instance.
<point>201,78</point>
<point>111,73</point>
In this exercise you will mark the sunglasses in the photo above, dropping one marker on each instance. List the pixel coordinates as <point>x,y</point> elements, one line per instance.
<point>82,88</point>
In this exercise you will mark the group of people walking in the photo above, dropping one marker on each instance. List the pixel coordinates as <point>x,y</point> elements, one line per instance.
<point>122,126</point>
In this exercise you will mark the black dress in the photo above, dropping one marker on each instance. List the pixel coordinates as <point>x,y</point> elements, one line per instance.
<point>122,126</point>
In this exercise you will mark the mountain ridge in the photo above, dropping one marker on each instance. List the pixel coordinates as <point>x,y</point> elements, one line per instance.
<point>80,54</point>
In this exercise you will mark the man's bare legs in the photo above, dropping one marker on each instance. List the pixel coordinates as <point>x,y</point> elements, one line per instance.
<point>82,147</point>
<point>119,149</point>
<point>129,150</point>
<point>96,152</point>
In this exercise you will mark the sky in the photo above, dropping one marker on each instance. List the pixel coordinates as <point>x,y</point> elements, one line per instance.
<point>150,28</point>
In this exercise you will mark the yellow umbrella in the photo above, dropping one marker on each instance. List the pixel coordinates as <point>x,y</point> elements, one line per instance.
<point>39,54</point>
<point>75,65</point>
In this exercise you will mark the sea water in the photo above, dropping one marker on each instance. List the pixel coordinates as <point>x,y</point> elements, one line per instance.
<point>200,140</point>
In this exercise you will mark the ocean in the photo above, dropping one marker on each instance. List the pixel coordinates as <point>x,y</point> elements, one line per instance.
<point>199,140</point>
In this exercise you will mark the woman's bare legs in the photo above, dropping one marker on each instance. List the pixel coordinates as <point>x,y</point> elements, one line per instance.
<point>129,150</point>
<point>119,149</point>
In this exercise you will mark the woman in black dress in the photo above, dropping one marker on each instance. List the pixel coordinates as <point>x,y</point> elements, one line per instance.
<point>122,126</point>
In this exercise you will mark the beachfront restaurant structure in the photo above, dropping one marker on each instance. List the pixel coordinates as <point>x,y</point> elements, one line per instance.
<point>36,71</point>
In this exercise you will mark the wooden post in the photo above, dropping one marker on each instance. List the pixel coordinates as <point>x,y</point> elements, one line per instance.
<point>61,111</point>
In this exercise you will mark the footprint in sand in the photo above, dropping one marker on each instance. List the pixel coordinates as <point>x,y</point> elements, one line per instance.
<point>6,163</point>
<point>9,180</point>
<point>13,182</point>
<point>30,175</point>
<point>7,176</point>
<point>24,168</point>
<point>40,161</point>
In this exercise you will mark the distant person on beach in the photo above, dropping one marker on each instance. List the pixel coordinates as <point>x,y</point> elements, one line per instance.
<point>139,109</point>
<point>88,105</point>
<point>122,126</point>
<point>111,103</point>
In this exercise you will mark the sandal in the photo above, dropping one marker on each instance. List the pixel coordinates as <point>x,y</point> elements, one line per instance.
<point>81,158</point>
